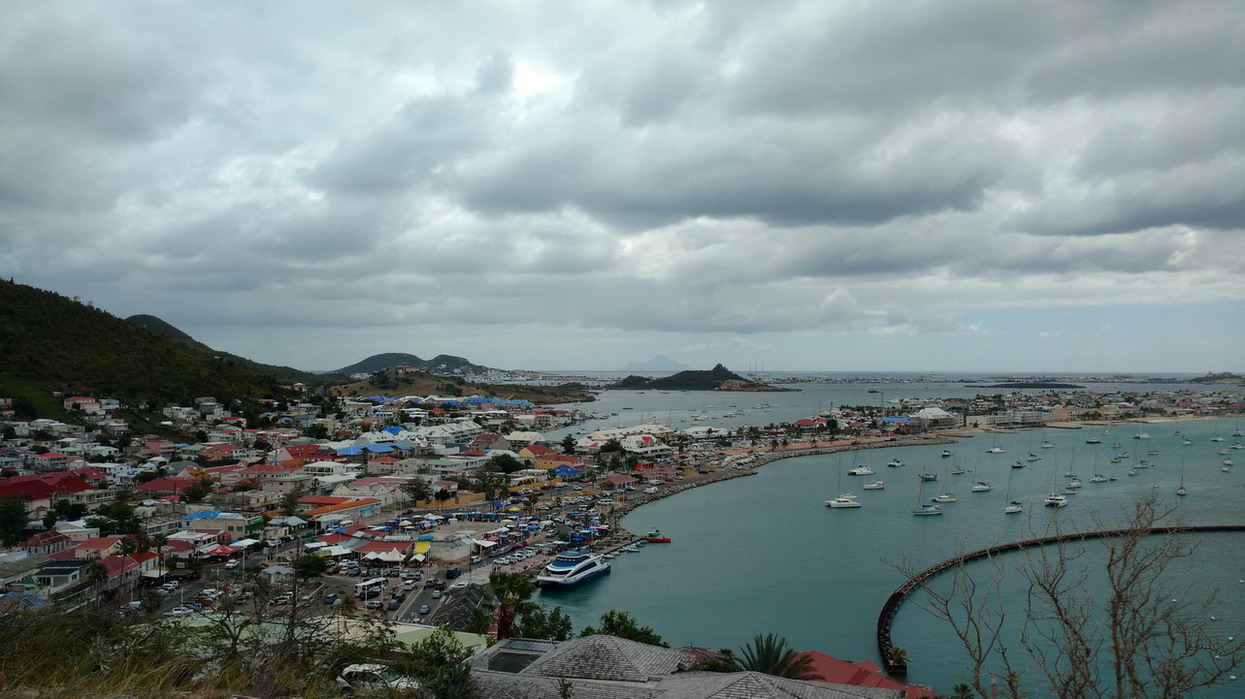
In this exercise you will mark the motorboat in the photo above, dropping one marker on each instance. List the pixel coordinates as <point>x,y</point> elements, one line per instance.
<point>1224,452</point>
<point>573,567</point>
<point>1132,471</point>
<point>1013,507</point>
<point>861,471</point>
<point>1217,438</point>
<point>929,476</point>
<point>944,497</point>
<point>1072,484</point>
<point>875,485</point>
<point>958,470</point>
<point>1141,435</point>
<point>1033,457</point>
<point>980,487</point>
<point>1093,440</point>
<point>946,453</point>
<point>1226,462</point>
<point>894,463</point>
<point>1152,452</point>
<point>1048,445</point>
<point>1017,464</point>
<point>996,450</point>
<point>1098,478</point>
<point>655,537</point>
<point>1115,445</point>
<point>846,500</point>
<point>1187,443</point>
<point>1056,500</point>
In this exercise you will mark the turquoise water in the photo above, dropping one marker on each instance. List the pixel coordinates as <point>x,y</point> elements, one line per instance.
<point>763,554</point>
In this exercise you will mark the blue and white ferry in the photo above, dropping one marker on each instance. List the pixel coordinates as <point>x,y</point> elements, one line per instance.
<point>572,568</point>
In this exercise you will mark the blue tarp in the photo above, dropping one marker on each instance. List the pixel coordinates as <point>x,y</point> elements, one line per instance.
<point>567,471</point>
<point>202,514</point>
<point>897,420</point>
<point>392,429</point>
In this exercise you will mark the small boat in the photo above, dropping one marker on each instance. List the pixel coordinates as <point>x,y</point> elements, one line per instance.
<point>630,548</point>
<point>980,487</point>
<point>1047,445</point>
<point>861,471</point>
<point>1013,507</point>
<point>846,500</point>
<point>610,556</point>
<point>944,497</point>
<point>1056,500</point>
<point>1098,478</point>
<point>1070,474</point>
<point>958,470</point>
<point>1226,469</point>
<point>1187,443</point>
<point>946,453</point>
<point>1236,433</point>
<point>1072,484</point>
<point>1033,457</point>
<point>1115,445</point>
<point>925,509</point>
<point>1112,478</point>
<point>1226,462</point>
<point>1224,452</point>
<point>875,485</point>
<point>1117,460</point>
<point>1237,446</point>
<point>1141,435</point>
<point>1152,452</point>
<point>929,476</point>
<point>894,463</point>
<point>1092,440</point>
<point>1017,464</point>
<point>655,537</point>
<point>995,450</point>
<point>1132,471</point>
<point>1217,438</point>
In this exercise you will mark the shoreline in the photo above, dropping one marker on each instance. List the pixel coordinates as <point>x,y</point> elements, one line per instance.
<point>623,537</point>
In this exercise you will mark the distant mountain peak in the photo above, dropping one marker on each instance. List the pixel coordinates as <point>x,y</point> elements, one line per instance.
<point>659,363</point>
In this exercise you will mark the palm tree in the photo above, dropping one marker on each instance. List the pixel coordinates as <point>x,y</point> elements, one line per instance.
<point>513,593</point>
<point>771,655</point>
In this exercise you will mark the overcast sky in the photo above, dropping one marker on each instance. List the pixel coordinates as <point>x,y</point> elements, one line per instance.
<point>911,186</point>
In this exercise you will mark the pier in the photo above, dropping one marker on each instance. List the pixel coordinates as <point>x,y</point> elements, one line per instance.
<point>899,667</point>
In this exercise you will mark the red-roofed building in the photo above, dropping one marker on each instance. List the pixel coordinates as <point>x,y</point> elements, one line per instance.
<point>352,509</point>
<point>165,486</point>
<point>44,543</point>
<point>860,674</point>
<point>535,451</point>
<point>98,547</point>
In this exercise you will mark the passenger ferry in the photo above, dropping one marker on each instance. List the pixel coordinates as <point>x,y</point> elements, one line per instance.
<point>573,567</point>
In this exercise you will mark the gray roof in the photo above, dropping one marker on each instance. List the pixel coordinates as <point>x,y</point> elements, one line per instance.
<point>503,685</point>
<point>754,685</point>
<point>610,658</point>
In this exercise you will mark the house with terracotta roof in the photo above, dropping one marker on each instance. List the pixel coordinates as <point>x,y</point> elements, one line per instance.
<point>97,548</point>
<point>532,452</point>
<point>165,486</point>
<point>353,508</point>
<point>50,461</point>
<point>47,542</point>
<point>862,673</point>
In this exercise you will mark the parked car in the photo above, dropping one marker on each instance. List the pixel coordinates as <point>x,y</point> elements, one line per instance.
<point>180,611</point>
<point>410,584</point>
<point>374,604</point>
<point>373,678</point>
<point>231,564</point>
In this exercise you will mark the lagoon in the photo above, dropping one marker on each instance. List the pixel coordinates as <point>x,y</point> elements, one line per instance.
<point>763,554</point>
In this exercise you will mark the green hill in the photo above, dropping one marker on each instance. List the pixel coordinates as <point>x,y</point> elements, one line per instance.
<point>283,374</point>
<point>50,343</point>
<point>440,364</point>
<point>719,378</point>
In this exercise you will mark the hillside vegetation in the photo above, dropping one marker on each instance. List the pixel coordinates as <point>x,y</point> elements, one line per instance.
<point>52,343</point>
<point>388,360</point>
<point>283,374</point>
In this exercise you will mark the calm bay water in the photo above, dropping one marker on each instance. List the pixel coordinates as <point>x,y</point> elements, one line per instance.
<point>763,554</point>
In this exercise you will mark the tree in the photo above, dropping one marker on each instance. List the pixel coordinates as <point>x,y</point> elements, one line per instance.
<point>622,625</point>
<point>1141,633</point>
<point>549,624</point>
<point>13,519</point>
<point>197,490</point>
<point>417,490</point>
<point>568,444</point>
<point>771,655</point>
<point>290,498</point>
<point>505,463</point>
<point>439,662</point>
<point>513,593</point>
